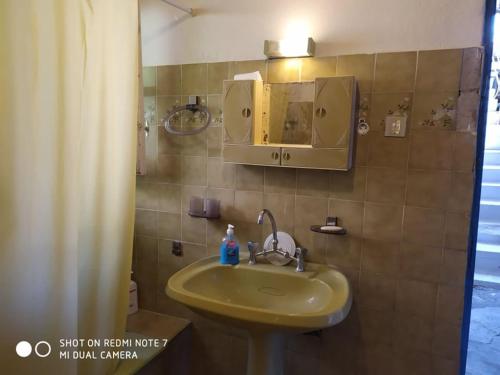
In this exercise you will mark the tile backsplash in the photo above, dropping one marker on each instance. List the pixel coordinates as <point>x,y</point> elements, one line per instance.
<point>405,204</point>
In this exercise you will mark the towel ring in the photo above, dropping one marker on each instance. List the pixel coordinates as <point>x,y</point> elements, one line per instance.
<point>188,107</point>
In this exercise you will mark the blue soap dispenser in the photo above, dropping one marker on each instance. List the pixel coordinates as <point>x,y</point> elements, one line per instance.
<point>230,248</point>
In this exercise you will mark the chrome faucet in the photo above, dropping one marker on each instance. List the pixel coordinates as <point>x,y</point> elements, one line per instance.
<point>253,246</point>
<point>260,220</point>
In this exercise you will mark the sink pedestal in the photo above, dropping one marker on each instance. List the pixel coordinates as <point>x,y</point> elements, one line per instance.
<point>266,353</point>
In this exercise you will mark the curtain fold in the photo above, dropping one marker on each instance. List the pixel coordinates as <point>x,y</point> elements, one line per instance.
<point>68,110</point>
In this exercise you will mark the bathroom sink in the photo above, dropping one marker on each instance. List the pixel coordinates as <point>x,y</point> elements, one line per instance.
<point>267,301</point>
<point>264,294</point>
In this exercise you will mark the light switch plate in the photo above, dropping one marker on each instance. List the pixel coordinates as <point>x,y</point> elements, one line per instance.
<point>395,126</point>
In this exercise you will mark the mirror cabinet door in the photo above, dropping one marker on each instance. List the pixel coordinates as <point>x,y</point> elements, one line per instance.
<point>315,158</point>
<point>333,112</point>
<point>242,111</point>
<point>254,155</point>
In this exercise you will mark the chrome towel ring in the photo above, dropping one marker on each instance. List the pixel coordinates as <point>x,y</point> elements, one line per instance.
<point>192,106</point>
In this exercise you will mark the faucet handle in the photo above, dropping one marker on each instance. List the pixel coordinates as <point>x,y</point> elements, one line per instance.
<point>252,249</point>
<point>300,253</point>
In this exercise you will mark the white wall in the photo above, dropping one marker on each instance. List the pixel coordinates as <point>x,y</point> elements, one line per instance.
<point>236,29</point>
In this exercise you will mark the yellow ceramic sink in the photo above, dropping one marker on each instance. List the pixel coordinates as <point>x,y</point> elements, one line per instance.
<point>264,294</point>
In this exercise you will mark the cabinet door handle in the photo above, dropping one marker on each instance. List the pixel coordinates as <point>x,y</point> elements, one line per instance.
<point>275,155</point>
<point>286,156</point>
<point>246,112</point>
<point>320,112</point>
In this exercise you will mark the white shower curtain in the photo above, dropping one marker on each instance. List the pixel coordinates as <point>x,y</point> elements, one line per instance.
<point>68,109</point>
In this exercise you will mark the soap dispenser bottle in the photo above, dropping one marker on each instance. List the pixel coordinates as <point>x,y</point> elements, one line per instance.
<point>230,248</point>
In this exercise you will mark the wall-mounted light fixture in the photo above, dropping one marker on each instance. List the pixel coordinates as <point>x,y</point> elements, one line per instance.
<point>293,47</point>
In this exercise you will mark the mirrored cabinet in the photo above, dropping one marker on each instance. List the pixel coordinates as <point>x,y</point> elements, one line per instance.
<point>296,124</point>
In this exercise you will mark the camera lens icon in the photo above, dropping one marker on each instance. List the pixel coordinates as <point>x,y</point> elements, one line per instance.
<point>23,349</point>
<point>42,349</point>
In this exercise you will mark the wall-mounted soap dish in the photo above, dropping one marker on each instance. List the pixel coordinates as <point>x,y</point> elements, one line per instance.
<point>331,227</point>
<point>204,207</point>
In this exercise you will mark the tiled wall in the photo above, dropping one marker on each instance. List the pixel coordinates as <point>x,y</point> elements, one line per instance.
<point>405,205</point>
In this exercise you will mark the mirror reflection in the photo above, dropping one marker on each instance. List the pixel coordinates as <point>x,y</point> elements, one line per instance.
<point>290,113</point>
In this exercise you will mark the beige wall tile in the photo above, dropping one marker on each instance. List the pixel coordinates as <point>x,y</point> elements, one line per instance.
<point>439,70</point>
<point>194,229</point>
<point>348,185</point>
<point>169,225</point>
<point>146,249</point>
<point>282,206</point>
<point>349,214</point>
<point>423,226</point>
<point>149,80</point>
<point>388,152</point>
<point>248,204</point>
<point>428,114</point>
<point>168,80</point>
<point>146,196</point>
<point>169,168</point>
<point>217,73</point>
<point>453,267</point>
<point>360,66</point>
<point>284,70</point>
<point>412,362</point>
<point>382,222</point>
<point>446,340</point>
<point>376,359</point>
<point>280,180</point>
<point>214,141</point>
<point>315,67</point>
<point>214,105</point>
<point>377,291</point>
<point>384,104</point>
<point>427,188</point>
<point>194,170</point>
<point>420,262</point>
<point>417,298</point>
<point>462,188</point>
<point>169,198</point>
<point>226,198</point>
<point>444,366</point>
<point>146,223</point>
<point>431,150</point>
<point>464,152</point>
<point>220,174</point>
<point>249,177</point>
<point>376,326</point>
<point>343,251</point>
<point>168,144</point>
<point>195,145</point>
<point>450,304</point>
<point>467,111</point>
<point>189,191</point>
<point>194,79</point>
<point>361,150</point>
<point>395,269</point>
<point>315,243</point>
<point>395,72</point>
<point>310,211</point>
<point>380,257</point>
<point>412,332</point>
<point>471,69</point>
<point>386,185</point>
<point>164,105</point>
<point>313,182</point>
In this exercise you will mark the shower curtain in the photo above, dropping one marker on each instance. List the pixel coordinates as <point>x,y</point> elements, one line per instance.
<point>68,110</point>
